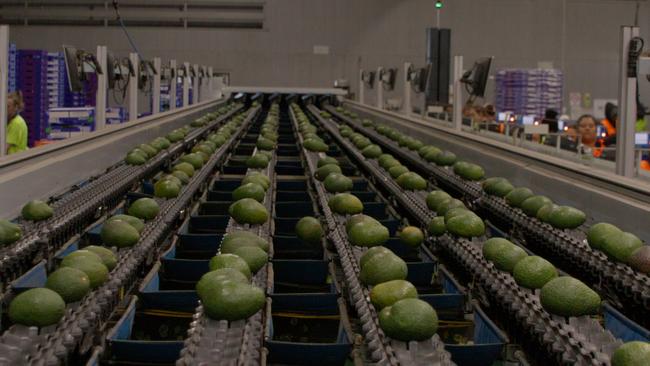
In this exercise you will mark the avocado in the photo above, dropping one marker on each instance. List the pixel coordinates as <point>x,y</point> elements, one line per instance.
<point>435,198</point>
<point>635,353</point>
<point>119,233</point>
<point>368,234</point>
<point>466,225</point>
<point>449,204</point>
<point>327,160</point>
<point>371,252</point>
<point>345,204</point>
<point>409,320</point>
<point>384,158</point>
<point>411,236</point>
<point>244,238</point>
<point>107,257</point>
<point>182,176</point>
<point>336,183</point>
<point>620,246</point>
<point>437,226</point>
<point>640,259</point>
<point>497,186</point>
<point>426,149</point>
<point>144,208</point>
<point>597,233</point>
<point>257,161</point>
<point>96,271</point>
<point>131,220</point>
<point>383,267</point>
<point>504,254</point>
<point>193,159</point>
<point>431,156</point>
<point>257,177</point>
<point>227,260</point>
<point>544,212</point>
<point>70,283</point>
<point>493,247</point>
<point>517,196</point>
<point>248,211</point>
<point>249,190</point>
<point>38,307</point>
<point>175,136</point>
<point>9,232</point>
<point>398,170</point>
<point>567,296</point>
<point>171,178</point>
<point>232,301</point>
<point>315,145</point>
<point>37,210</point>
<point>264,143</point>
<point>534,272</point>
<point>148,149</point>
<point>371,151</point>
<point>186,168</point>
<point>412,181</point>
<point>565,217</point>
<point>532,204</point>
<point>166,188</point>
<point>254,256</point>
<point>325,170</point>
<point>135,158</point>
<point>214,278</point>
<point>469,171</point>
<point>445,158</point>
<point>388,293</point>
<point>309,230</point>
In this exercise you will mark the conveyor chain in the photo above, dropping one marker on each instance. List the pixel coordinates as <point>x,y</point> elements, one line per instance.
<point>518,309</point>
<point>80,207</point>
<point>382,350</point>
<point>77,328</point>
<point>220,342</point>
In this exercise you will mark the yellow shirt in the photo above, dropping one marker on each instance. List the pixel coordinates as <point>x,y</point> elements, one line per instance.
<point>16,135</point>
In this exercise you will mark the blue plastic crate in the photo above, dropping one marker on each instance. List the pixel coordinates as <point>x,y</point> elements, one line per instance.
<point>622,327</point>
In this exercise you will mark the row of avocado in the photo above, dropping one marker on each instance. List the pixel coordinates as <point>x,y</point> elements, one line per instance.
<point>618,245</point>
<point>402,315</point>
<point>559,295</point>
<point>86,269</point>
<point>226,291</point>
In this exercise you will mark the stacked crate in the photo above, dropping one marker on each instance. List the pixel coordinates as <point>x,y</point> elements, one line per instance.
<point>529,91</point>
<point>31,72</point>
<point>12,68</point>
<point>57,81</point>
<point>85,97</point>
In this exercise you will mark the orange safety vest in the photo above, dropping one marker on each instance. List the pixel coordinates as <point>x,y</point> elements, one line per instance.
<point>598,150</point>
<point>609,127</point>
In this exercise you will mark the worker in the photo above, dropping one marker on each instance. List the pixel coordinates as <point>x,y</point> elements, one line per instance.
<point>589,137</point>
<point>16,126</point>
<point>611,116</point>
<point>550,119</point>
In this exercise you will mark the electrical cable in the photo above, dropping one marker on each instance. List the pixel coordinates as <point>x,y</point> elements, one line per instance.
<point>116,6</point>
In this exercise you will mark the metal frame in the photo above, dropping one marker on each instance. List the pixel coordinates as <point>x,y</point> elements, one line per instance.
<point>362,88</point>
<point>458,93</point>
<point>157,64</point>
<point>380,88</point>
<point>4,75</point>
<point>625,128</point>
<point>172,85</point>
<point>270,90</point>
<point>196,97</point>
<point>102,88</point>
<point>407,90</point>
<point>186,85</point>
<point>133,87</point>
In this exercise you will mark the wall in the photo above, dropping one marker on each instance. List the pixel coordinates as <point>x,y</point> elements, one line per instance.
<point>579,36</point>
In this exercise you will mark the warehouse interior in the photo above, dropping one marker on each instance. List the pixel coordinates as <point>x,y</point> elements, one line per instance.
<point>286,182</point>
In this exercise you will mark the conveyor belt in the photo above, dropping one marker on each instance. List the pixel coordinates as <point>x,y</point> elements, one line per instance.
<point>76,330</point>
<point>74,211</point>
<point>220,342</point>
<point>382,350</point>
<point>626,288</point>
<point>522,311</point>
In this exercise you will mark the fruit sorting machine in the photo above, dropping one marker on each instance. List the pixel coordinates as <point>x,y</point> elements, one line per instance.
<point>97,329</point>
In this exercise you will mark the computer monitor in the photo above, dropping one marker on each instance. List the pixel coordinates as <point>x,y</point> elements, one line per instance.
<point>560,125</point>
<point>476,79</point>
<point>72,67</point>
<point>368,78</point>
<point>641,138</point>
<point>528,120</point>
<point>502,116</point>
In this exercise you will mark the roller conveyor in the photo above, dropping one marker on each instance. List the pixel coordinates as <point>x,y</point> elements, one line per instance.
<point>520,309</point>
<point>626,288</point>
<point>77,329</point>
<point>76,209</point>
<point>382,350</point>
